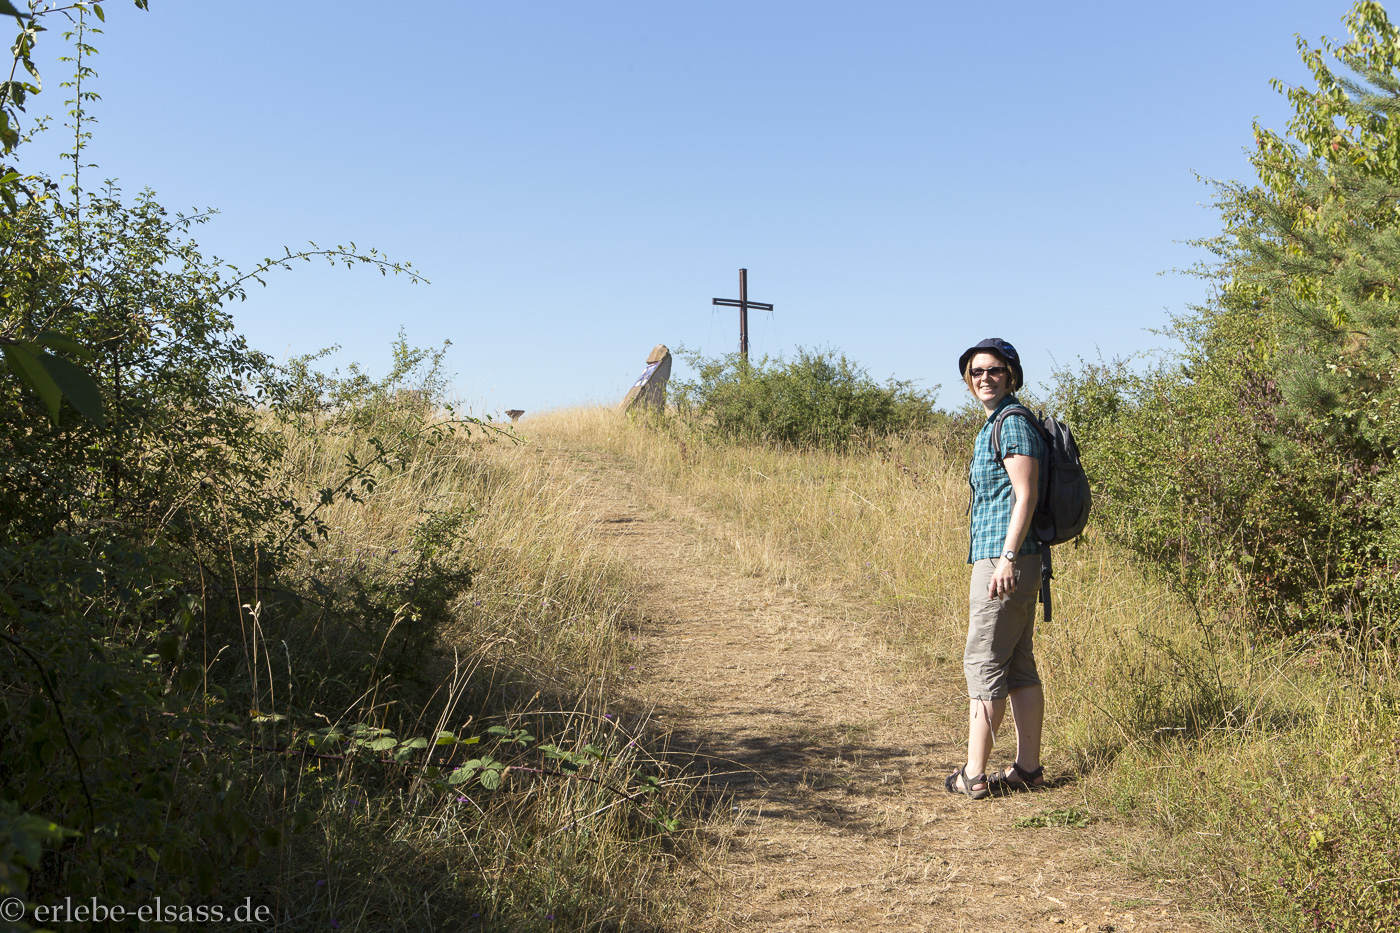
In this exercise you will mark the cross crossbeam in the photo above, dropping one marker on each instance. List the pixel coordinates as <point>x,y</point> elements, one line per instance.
<point>743,304</point>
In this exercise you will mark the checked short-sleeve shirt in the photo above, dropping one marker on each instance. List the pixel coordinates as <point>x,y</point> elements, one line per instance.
<point>992,496</point>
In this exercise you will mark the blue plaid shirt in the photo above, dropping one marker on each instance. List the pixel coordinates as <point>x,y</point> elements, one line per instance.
<point>992,496</point>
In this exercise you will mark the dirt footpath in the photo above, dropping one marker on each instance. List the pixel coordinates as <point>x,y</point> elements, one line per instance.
<point>831,764</point>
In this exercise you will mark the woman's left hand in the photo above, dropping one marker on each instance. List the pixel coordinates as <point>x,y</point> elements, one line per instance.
<point>1003,579</point>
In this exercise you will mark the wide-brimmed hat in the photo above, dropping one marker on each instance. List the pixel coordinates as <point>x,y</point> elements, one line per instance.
<point>1001,348</point>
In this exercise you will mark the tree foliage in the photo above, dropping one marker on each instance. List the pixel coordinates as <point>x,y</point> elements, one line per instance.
<point>1259,469</point>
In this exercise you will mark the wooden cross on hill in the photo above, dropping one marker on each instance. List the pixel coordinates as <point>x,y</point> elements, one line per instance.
<point>743,304</point>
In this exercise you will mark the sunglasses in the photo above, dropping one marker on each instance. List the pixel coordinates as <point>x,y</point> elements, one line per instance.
<point>996,372</point>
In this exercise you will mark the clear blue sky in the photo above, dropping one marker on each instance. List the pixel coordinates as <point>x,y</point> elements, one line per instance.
<point>578,180</point>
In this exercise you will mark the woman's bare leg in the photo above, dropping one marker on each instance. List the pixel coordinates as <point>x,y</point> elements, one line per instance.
<point>1028,710</point>
<point>984,718</point>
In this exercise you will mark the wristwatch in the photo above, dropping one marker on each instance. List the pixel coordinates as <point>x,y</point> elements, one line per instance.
<point>1008,554</point>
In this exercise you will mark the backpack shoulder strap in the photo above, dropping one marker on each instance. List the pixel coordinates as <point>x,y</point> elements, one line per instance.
<point>1021,410</point>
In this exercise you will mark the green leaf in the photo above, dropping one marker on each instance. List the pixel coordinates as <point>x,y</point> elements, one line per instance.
<point>31,372</point>
<point>364,729</point>
<point>330,737</point>
<point>77,386</point>
<point>190,678</point>
<point>383,744</point>
<point>8,9</point>
<point>168,647</point>
<point>446,738</point>
<point>416,743</point>
<point>491,778</point>
<point>57,341</point>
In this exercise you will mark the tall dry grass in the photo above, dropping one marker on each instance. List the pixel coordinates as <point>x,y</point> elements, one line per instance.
<point>521,671</point>
<point>1271,767</point>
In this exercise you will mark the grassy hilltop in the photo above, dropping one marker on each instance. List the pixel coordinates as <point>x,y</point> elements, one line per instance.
<point>321,643</point>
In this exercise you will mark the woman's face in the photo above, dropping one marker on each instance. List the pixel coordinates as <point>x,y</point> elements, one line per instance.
<point>990,388</point>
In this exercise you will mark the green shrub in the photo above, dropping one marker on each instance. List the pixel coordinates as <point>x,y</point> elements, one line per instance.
<point>818,399</point>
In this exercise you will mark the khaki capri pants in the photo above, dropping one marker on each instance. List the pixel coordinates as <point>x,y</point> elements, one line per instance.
<point>1000,655</point>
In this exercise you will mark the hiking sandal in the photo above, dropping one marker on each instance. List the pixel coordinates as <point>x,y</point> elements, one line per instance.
<point>1021,779</point>
<point>952,784</point>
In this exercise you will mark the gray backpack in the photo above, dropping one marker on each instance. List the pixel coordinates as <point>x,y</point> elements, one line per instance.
<point>1063,500</point>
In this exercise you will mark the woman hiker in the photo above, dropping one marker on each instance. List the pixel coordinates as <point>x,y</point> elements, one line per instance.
<point>998,661</point>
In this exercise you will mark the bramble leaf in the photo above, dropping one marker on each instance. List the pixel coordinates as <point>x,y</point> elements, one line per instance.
<point>190,678</point>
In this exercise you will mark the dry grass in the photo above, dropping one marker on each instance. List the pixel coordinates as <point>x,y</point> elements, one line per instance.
<point>1180,723</point>
<point>573,838</point>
